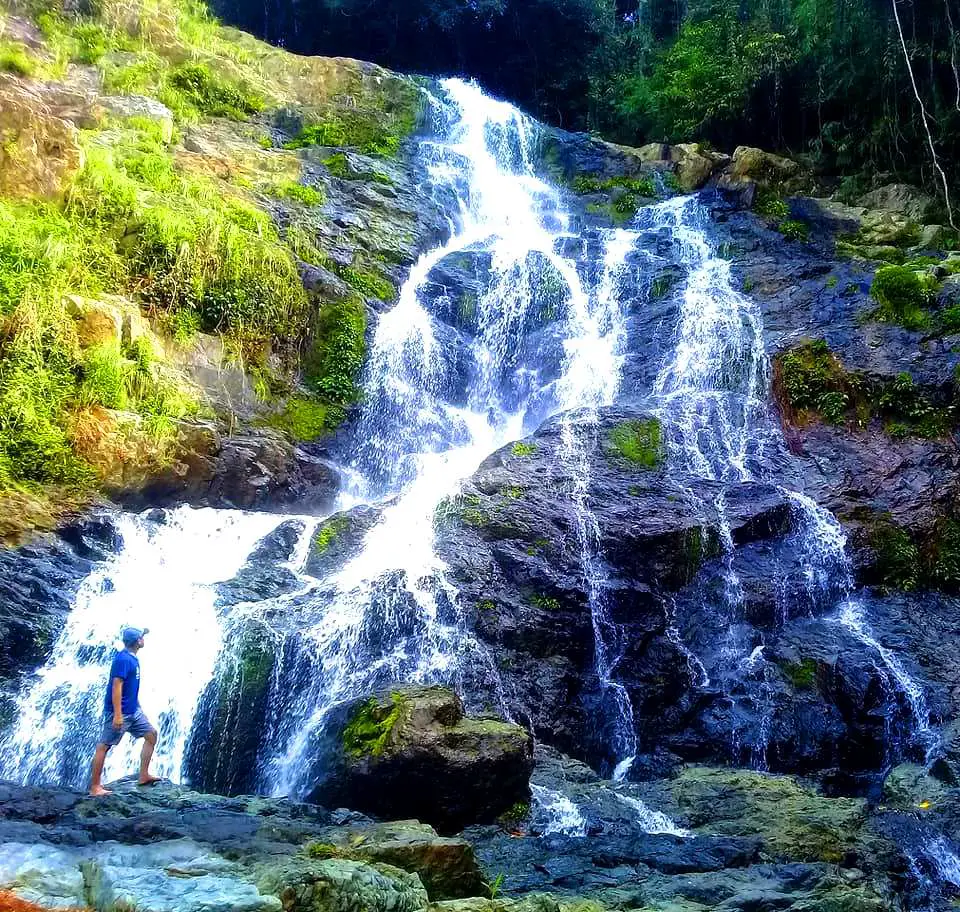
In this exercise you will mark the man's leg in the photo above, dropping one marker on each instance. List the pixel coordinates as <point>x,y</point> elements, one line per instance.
<point>146,755</point>
<point>96,772</point>
<point>140,727</point>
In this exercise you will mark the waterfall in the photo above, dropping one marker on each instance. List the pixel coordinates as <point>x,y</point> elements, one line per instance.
<point>163,579</point>
<point>712,394</point>
<point>390,614</point>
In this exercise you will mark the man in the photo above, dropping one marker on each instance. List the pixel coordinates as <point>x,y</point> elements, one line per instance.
<point>122,712</point>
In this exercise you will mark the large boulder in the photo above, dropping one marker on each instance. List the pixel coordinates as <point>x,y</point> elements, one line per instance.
<point>900,199</point>
<point>40,152</point>
<point>413,753</point>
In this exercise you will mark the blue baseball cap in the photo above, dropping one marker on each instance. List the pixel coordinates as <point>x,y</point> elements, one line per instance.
<point>132,634</point>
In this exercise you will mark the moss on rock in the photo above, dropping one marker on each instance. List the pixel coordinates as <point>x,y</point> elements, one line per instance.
<point>640,442</point>
<point>368,731</point>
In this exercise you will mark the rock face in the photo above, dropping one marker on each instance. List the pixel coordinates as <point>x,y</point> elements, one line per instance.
<point>37,585</point>
<point>40,151</point>
<point>170,850</point>
<point>413,752</point>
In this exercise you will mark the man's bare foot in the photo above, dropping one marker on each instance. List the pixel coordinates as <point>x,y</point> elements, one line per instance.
<point>98,791</point>
<point>149,780</point>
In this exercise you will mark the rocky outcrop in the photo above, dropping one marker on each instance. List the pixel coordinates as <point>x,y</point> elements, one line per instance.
<point>413,752</point>
<point>170,849</point>
<point>40,151</point>
<point>37,585</point>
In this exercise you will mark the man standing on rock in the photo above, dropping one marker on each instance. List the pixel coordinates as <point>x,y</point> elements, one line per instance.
<point>122,712</point>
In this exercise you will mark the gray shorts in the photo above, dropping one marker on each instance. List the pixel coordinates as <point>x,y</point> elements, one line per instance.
<point>137,724</point>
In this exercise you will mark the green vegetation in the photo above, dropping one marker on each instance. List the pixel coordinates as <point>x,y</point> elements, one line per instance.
<point>376,133</point>
<point>794,230</point>
<point>334,362</point>
<point>810,383</point>
<point>305,419</point>
<point>902,294</point>
<point>771,205</point>
<point>15,59</point>
<point>329,532</point>
<point>291,190</point>
<point>545,603</point>
<point>212,95</point>
<point>913,560</point>
<point>368,282</point>
<point>639,442</point>
<point>367,733</point>
<point>802,675</point>
<point>523,450</point>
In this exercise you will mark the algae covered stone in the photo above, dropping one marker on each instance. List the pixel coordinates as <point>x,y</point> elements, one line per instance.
<point>412,752</point>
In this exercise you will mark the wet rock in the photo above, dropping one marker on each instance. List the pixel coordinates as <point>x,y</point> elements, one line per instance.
<point>413,753</point>
<point>511,543</point>
<point>253,469</point>
<point>901,199</point>
<point>338,539</point>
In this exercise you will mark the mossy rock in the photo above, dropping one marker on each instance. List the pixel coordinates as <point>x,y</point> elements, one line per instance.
<point>639,442</point>
<point>412,753</point>
<point>794,822</point>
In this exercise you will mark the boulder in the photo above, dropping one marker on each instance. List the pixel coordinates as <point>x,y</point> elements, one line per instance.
<point>141,106</point>
<point>40,152</point>
<point>693,167</point>
<point>765,168</point>
<point>900,199</point>
<point>413,753</point>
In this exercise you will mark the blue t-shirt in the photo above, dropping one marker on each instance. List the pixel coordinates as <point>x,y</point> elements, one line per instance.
<point>126,666</point>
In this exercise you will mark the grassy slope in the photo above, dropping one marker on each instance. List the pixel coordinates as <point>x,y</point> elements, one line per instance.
<point>190,240</point>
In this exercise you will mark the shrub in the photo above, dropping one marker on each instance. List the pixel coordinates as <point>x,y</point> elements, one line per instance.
<point>211,94</point>
<point>901,295</point>
<point>810,381</point>
<point>335,360</point>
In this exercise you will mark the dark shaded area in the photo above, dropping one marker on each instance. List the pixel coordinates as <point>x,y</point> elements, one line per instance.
<point>826,77</point>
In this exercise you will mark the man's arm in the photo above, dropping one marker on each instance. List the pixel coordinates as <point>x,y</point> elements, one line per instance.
<point>116,697</point>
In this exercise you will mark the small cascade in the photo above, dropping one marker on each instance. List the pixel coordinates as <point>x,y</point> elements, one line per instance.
<point>651,821</point>
<point>712,400</point>
<point>555,814</point>
<point>164,578</point>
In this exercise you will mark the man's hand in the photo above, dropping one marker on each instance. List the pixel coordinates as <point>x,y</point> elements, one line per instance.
<point>118,721</point>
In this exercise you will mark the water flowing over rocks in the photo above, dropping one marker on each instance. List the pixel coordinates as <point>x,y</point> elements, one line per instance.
<point>573,496</point>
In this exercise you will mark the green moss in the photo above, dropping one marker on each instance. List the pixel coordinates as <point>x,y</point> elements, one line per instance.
<point>197,88</point>
<point>661,285</point>
<point>329,532</point>
<point>832,281</point>
<point>15,59</point>
<point>638,186</point>
<point>305,419</point>
<point>334,362</point>
<point>794,230</point>
<point>368,730</point>
<point>639,442</point>
<point>373,132</point>
<point>907,411</point>
<point>523,450</point>
<point>802,675</point>
<point>545,602</point>
<point>513,492</point>
<point>292,190</point>
<point>368,282</point>
<point>902,295</point>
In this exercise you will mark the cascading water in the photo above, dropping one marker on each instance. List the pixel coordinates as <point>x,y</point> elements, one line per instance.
<point>164,579</point>
<point>390,613</point>
<point>712,396</point>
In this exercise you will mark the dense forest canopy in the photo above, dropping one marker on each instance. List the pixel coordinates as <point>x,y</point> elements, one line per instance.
<point>826,77</point>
